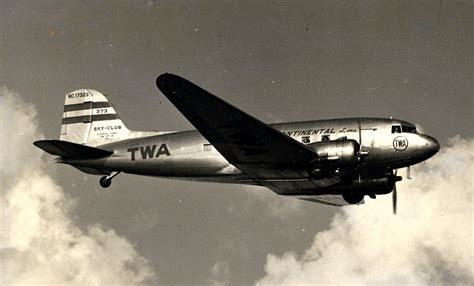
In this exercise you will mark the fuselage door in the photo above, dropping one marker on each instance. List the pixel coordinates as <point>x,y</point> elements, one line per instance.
<point>367,137</point>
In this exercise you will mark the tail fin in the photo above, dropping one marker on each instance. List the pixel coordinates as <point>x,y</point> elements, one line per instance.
<point>89,119</point>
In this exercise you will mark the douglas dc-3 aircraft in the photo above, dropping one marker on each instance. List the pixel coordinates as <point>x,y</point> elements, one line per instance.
<point>335,162</point>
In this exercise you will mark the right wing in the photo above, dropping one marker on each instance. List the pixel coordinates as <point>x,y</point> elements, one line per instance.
<point>332,200</point>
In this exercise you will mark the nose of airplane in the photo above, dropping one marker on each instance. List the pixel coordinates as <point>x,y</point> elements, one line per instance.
<point>432,145</point>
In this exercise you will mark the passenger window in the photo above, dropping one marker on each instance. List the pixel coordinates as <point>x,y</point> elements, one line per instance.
<point>396,129</point>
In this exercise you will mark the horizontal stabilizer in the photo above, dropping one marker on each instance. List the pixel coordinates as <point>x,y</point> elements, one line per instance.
<point>66,149</point>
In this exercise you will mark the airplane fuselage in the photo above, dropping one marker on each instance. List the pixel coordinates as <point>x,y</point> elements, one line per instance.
<point>388,144</point>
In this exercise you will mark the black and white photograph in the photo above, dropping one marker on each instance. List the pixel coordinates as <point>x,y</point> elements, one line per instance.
<point>265,142</point>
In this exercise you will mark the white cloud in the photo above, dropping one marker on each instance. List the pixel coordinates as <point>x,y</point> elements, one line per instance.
<point>39,243</point>
<point>429,241</point>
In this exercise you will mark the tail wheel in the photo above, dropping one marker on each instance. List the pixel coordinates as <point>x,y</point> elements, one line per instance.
<point>105,182</point>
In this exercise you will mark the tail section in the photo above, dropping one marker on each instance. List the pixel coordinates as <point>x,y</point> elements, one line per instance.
<point>66,149</point>
<point>89,119</point>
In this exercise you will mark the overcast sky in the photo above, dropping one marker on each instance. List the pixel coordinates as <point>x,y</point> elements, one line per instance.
<point>277,60</point>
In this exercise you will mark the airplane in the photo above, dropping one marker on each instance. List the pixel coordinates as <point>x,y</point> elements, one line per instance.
<point>335,162</point>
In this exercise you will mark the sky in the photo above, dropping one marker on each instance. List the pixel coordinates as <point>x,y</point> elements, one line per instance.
<point>277,60</point>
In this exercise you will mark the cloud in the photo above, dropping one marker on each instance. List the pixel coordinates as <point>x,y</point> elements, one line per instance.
<point>219,274</point>
<point>430,241</point>
<point>39,242</point>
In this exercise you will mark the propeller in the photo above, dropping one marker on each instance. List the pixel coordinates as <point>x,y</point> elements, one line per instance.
<point>394,199</point>
<point>408,173</point>
<point>394,191</point>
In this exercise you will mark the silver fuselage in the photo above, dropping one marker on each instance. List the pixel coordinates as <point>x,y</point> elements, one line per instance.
<point>188,155</point>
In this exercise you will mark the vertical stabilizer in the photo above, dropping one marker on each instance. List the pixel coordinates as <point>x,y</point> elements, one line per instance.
<point>89,119</point>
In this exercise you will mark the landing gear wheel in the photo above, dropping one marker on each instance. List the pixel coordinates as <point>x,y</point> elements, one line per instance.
<point>105,182</point>
<point>353,198</point>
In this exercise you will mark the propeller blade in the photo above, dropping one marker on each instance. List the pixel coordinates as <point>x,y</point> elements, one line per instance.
<point>408,173</point>
<point>394,199</point>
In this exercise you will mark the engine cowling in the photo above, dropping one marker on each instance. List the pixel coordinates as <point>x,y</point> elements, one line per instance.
<point>377,186</point>
<point>355,191</point>
<point>338,154</point>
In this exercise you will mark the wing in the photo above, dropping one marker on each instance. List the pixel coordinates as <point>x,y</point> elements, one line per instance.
<point>332,200</point>
<point>308,190</point>
<point>263,153</point>
<point>257,149</point>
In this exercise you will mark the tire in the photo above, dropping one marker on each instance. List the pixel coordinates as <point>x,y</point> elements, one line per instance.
<point>105,182</point>
<point>353,198</point>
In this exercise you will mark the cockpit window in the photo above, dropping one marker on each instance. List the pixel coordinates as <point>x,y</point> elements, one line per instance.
<point>403,128</point>
<point>396,129</point>
<point>408,129</point>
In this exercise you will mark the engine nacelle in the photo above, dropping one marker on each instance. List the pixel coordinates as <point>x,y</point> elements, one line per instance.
<point>367,186</point>
<point>355,191</point>
<point>338,153</point>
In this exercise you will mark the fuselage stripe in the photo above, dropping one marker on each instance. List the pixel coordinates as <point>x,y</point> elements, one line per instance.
<point>88,118</point>
<point>85,105</point>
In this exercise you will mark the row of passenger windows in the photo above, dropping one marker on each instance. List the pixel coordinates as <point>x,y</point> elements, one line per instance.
<point>403,128</point>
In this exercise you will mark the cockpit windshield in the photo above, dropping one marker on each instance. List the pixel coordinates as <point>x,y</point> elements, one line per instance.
<point>403,129</point>
<point>396,129</point>
<point>408,129</point>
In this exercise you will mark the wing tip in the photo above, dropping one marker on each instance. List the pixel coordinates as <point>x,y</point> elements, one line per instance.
<point>40,143</point>
<point>160,80</point>
<point>37,142</point>
<point>164,80</point>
